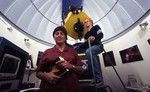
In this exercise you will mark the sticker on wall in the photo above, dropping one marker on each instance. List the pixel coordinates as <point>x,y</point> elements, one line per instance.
<point>131,54</point>
<point>109,59</point>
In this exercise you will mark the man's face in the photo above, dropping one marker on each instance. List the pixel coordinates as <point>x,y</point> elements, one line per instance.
<point>87,23</point>
<point>59,37</point>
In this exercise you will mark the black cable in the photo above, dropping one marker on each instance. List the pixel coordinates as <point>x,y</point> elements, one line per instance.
<point>115,69</point>
<point>107,12</point>
<point>43,14</point>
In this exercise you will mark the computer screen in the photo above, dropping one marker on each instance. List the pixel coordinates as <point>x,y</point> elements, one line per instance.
<point>9,66</point>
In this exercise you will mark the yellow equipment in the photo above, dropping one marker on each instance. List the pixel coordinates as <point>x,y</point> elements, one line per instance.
<point>71,19</point>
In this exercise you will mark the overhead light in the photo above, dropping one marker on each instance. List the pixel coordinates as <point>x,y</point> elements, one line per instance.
<point>27,43</point>
<point>9,28</point>
<point>26,40</point>
<point>143,25</point>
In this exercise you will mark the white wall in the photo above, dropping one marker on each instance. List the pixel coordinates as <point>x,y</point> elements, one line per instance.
<point>32,47</point>
<point>18,38</point>
<point>140,69</point>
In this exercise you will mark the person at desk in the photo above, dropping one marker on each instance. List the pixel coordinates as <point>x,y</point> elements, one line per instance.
<point>94,35</point>
<point>69,61</point>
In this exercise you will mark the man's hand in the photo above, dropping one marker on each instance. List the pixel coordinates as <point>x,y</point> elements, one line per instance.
<point>65,64</point>
<point>51,77</point>
<point>91,38</point>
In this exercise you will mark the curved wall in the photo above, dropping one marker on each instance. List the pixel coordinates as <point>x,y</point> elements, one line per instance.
<point>140,69</point>
<point>134,37</point>
<point>32,46</point>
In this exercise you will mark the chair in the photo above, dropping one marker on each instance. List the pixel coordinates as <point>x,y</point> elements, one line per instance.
<point>135,84</point>
<point>30,90</point>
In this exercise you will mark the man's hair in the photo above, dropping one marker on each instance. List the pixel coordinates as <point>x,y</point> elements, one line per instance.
<point>90,20</point>
<point>60,28</point>
<point>63,29</point>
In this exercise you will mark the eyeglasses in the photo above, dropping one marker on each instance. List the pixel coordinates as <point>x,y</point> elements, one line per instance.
<point>86,21</point>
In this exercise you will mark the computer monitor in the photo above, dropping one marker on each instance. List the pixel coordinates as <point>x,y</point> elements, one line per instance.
<point>9,66</point>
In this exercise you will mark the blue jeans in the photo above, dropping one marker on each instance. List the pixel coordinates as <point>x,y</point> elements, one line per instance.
<point>95,49</point>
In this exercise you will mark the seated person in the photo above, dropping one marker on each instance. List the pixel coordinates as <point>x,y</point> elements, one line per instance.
<point>94,35</point>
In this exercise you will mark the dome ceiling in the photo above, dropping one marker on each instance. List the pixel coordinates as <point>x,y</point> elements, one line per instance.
<point>39,17</point>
